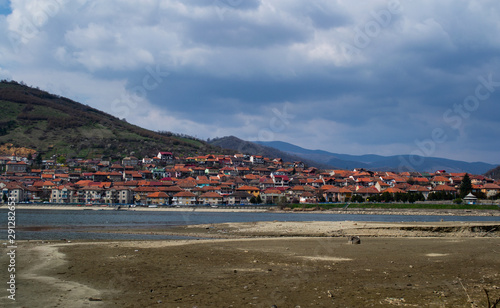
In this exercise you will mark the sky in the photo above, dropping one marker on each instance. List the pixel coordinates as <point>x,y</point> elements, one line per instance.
<point>382,77</point>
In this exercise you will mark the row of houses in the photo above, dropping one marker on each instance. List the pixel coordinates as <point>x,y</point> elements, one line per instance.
<point>217,179</point>
<point>191,191</point>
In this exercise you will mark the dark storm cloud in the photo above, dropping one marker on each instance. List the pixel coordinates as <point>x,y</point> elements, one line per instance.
<point>229,67</point>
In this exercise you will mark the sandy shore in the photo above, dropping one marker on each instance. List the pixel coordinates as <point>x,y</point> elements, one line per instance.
<point>274,263</point>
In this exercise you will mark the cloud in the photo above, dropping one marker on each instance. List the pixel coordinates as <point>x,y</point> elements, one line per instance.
<point>4,74</point>
<point>374,77</point>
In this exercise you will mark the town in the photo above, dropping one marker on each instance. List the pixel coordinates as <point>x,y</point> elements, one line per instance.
<point>166,180</point>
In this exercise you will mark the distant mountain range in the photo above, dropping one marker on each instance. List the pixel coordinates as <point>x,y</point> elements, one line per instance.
<point>252,148</point>
<point>378,162</point>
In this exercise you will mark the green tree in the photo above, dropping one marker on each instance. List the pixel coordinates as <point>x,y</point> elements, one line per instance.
<point>61,160</point>
<point>465,186</point>
<point>258,200</point>
<point>38,160</point>
<point>387,197</point>
<point>420,197</point>
<point>358,198</point>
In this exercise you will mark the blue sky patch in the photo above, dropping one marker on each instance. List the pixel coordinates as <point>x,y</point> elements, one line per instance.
<point>5,7</point>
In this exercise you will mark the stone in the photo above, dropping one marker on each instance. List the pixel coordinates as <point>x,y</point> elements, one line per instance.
<point>354,240</point>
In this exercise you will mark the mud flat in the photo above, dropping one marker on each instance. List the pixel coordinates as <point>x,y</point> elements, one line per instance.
<point>261,265</point>
<point>330,229</point>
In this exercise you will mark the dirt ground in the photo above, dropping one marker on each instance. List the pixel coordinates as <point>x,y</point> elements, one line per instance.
<point>285,271</point>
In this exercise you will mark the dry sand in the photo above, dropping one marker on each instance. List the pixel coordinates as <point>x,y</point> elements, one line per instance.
<point>264,264</point>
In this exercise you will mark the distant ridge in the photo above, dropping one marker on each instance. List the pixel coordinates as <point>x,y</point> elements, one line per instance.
<point>252,148</point>
<point>378,162</point>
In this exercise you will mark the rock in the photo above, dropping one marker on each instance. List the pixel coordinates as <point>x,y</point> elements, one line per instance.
<point>354,240</point>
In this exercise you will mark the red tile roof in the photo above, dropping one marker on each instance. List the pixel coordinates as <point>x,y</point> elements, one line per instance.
<point>158,194</point>
<point>210,194</point>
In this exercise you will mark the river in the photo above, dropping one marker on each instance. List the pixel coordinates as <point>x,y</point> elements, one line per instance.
<point>42,224</point>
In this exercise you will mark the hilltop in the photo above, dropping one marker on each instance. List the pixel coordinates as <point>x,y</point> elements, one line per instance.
<point>493,173</point>
<point>37,120</point>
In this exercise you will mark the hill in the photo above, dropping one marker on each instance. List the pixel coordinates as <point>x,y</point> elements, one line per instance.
<point>51,124</point>
<point>253,148</point>
<point>493,173</point>
<point>378,162</point>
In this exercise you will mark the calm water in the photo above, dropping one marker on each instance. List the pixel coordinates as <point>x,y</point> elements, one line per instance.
<point>36,224</point>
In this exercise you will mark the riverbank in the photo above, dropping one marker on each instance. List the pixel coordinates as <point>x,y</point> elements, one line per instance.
<point>274,267</point>
<point>143,209</point>
<point>357,211</point>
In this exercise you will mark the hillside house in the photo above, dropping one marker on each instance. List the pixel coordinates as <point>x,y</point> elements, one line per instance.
<point>118,195</point>
<point>257,159</point>
<point>157,198</point>
<point>184,198</point>
<point>141,193</point>
<point>211,198</point>
<point>16,167</point>
<point>249,189</point>
<point>440,180</point>
<point>164,156</point>
<point>280,180</point>
<point>366,192</point>
<point>271,196</point>
<point>130,161</point>
<point>238,197</point>
<point>337,194</point>
<point>92,194</point>
<point>64,194</point>
<point>307,197</point>
<point>14,192</point>
<point>490,189</point>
